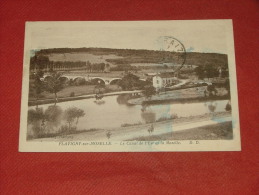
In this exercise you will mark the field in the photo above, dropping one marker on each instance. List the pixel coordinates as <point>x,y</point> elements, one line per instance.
<point>74,57</point>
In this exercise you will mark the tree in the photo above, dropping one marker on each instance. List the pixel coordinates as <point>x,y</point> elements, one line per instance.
<point>107,68</point>
<point>72,114</point>
<point>129,82</point>
<point>39,62</point>
<point>149,91</point>
<point>102,67</point>
<point>199,72</point>
<point>228,107</point>
<point>35,115</point>
<point>36,118</point>
<point>208,71</point>
<point>211,71</point>
<point>88,66</point>
<point>37,85</point>
<point>54,84</point>
<point>212,90</point>
<point>53,114</point>
<point>227,86</point>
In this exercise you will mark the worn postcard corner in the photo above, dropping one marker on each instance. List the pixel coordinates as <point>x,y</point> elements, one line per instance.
<point>131,86</point>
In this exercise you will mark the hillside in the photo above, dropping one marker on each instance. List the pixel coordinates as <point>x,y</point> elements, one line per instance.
<point>117,57</point>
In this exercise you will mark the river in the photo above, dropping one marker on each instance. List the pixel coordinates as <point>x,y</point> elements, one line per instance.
<point>114,112</point>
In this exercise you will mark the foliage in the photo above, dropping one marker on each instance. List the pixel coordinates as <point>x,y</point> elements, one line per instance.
<point>227,86</point>
<point>37,85</point>
<point>206,71</point>
<point>35,115</point>
<point>53,114</point>
<point>200,72</point>
<point>39,62</point>
<point>129,125</point>
<point>72,115</point>
<point>228,107</point>
<point>80,81</point>
<point>54,84</point>
<point>173,116</point>
<point>67,64</point>
<point>211,71</point>
<point>212,90</point>
<point>129,82</point>
<point>149,91</point>
<point>130,56</point>
<point>42,122</point>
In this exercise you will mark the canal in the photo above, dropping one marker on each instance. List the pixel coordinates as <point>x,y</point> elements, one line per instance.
<point>113,111</point>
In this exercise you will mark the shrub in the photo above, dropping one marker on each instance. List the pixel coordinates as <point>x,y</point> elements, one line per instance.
<point>173,116</point>
<point>72,94</point>
<point>80,81</point>
<point>228,107</point>
<point>129,125</point>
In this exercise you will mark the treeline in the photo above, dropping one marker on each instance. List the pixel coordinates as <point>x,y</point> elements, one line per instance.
<point>210,71</point>
<point>146,56</point>
<point>97,67</point>
<point>42,62</point>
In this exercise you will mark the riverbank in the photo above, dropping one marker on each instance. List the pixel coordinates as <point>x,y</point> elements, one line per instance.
<point>189,95</point>
<point>195,94</point>
<point>138,131</point>
<point>221,131</point>
<point>65,99</point>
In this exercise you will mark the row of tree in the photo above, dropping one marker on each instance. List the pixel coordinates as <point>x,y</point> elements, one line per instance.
<point>44,122</point>
<point>41,62</point>
<point>97,67</point>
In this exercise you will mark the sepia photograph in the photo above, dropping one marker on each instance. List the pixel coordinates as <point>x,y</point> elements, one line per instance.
<point>129,86</point>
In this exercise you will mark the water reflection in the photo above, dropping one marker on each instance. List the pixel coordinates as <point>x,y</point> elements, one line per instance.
<point>123,98</point>
<point>148,117</point>
<point>212,106</point>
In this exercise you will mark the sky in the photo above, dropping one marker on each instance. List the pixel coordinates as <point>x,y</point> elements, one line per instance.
<point>196,35</point>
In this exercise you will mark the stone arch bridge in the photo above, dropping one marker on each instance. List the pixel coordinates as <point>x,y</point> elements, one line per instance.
<point>105,80</point>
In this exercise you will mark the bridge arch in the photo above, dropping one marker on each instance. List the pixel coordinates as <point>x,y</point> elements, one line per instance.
<point>64,79</point>
<point>47,77</point>
<point>76,78</point>
<point>98,80</point>
<point>115,81</point>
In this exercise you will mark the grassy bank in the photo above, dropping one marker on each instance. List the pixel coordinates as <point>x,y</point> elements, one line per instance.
<point>209,132</point>
<point>194,94</point>
<point>201,133</point>
<point>70,93</point>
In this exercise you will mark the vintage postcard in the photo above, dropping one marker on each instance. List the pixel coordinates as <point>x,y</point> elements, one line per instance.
<point>129,86</point>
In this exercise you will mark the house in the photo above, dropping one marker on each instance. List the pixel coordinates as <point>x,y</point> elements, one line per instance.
<point>165,79</point>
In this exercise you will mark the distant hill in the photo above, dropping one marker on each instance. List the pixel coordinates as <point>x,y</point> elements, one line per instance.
<point>119,57</point>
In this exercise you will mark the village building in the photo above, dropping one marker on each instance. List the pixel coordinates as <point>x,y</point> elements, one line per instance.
<point>163,80</point>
